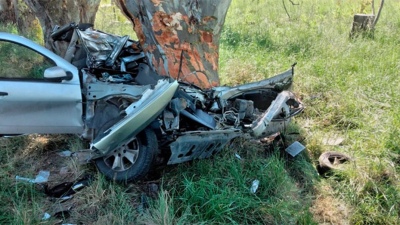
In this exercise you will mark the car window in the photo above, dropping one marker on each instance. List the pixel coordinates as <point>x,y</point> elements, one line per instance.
<point>20,62</point>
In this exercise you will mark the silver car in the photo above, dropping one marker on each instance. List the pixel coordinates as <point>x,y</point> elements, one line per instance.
<point>133,117</point>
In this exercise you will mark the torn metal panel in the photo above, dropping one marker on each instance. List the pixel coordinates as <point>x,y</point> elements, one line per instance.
<point>295,148</point>
<point>100,90</point>
<point>172,114</point>
<point>137,118</point>
<point>200,145</point>
<point>201,117</point>
<point>280,111</point>
<point>278,82</point>
<point>100,45</point>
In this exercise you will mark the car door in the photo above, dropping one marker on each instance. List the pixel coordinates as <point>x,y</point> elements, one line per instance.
<point>30,103</point>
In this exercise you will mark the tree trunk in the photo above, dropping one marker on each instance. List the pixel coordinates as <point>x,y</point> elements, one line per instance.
<point>362,24</point>
<point>61,12</point>
<point>27,22</point>
<point>17,13</point>
<point>365,23</point>
<point>180,37</point>
<point>7,12</point>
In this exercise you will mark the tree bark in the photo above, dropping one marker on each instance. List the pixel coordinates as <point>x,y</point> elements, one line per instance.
<point>180,37</point>
<point>61,12</point>
<point>7,12</point>
<point>27,22</point>
<point>17,13</point>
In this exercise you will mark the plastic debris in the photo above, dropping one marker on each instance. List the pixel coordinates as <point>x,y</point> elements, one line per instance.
<point>65,153</point>
<point>46,216</point>
<point>295,148</point>
<point>65,198</point>
<point>42,177</point>
<point>79,185</point>
<point>238,156</point>
<point>25,179</point>
<point>254,186</point>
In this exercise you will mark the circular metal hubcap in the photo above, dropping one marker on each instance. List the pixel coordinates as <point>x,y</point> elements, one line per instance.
<point>123,157</point>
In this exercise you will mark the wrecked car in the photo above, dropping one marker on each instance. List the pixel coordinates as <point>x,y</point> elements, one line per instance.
<point>104,90</point>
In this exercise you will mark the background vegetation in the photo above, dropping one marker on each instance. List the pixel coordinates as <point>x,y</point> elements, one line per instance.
<point>351,90</point>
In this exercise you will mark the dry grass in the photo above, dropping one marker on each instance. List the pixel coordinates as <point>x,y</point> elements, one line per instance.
<point>328,209</point>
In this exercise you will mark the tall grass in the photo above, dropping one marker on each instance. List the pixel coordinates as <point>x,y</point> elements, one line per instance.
<point>350,87</point>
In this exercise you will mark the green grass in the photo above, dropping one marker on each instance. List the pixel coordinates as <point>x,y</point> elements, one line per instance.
<point>109,19</point>
<point>350,87</point>
<point>351,90</point>
<point>217,191</point>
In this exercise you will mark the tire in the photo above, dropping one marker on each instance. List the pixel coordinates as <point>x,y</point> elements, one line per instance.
<point>132,161</point>
<point>330,161</point>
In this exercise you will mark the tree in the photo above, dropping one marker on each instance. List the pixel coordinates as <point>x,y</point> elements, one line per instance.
<point>7,12</point>
<point>17,13</point>
<point>180,37</point>
<point>61,12</point>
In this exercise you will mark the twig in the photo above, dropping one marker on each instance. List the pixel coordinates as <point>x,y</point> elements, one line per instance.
<point>284,6</point>
<point>373,7</point>
<point>379,13</point>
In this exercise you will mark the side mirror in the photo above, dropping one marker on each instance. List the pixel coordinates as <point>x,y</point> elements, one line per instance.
<point>57,74</point>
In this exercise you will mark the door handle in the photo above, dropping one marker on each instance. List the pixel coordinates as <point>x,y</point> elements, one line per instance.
<point>3,93</point>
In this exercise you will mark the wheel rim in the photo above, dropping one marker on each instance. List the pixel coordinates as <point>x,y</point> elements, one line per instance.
<point>124,157</point>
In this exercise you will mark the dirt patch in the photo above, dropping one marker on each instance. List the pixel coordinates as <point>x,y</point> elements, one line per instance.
<point>42,152</point>
<point>34,153</point>
<point>329,210</point>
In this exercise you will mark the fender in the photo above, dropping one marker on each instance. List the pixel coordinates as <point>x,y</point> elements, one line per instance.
<point>138,116</point>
